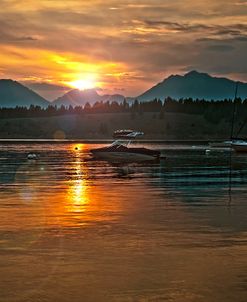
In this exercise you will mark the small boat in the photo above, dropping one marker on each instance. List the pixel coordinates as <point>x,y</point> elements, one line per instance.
<point>119,150</point>
<point>226,143</point>
<point>240,146</point>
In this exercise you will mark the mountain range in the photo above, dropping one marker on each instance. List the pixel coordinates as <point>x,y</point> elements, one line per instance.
<point>193,84</point>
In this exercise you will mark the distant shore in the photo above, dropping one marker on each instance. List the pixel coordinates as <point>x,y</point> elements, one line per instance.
<point>99,127</point>
<point>96,141</point>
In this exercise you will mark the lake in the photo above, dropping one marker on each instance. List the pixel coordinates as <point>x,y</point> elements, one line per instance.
<point>77,229</point>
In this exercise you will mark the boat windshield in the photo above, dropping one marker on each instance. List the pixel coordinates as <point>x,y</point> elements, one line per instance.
<point>126,140</point>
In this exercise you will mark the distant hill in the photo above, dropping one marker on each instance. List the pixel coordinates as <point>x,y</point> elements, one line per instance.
<point>77,97</point>
<point>195,85</point>
<point>14,94</point>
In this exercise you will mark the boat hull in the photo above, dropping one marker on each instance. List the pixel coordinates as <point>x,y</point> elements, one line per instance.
<point>240,147</point>
<point>119,152</point>
<point>123,156</point>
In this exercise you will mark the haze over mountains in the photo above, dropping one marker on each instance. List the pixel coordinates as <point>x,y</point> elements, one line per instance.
<point>77,97</point>
<point>193,84</point>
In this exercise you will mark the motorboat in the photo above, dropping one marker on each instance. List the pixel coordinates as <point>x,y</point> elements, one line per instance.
<point>240,146</point>
<point>227,143</point>
<point>119,150</point>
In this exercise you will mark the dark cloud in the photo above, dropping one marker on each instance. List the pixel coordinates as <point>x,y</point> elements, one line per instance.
<point>183,27</point>
<point>210,29</point>
<point>220,47</point>
<point>9,38</point>
<point>233,39</point>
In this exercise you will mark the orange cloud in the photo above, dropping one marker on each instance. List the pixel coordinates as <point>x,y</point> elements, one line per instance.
<point>125,44</point>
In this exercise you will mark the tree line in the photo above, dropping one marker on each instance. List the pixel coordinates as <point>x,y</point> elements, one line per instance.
<point>213,111</point>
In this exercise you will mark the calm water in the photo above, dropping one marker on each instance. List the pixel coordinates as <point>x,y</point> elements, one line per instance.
<point>73,229</point>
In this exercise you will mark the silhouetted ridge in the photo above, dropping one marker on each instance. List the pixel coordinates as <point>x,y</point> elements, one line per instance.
<point>14,94</point>
<point>194,85</point>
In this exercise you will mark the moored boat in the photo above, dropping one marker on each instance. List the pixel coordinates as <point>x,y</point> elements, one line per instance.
<point>240,146</point>
<point>226,143</point>
<point>119,150</point>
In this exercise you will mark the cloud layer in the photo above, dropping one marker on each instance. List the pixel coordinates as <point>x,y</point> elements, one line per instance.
<point>126,44</point>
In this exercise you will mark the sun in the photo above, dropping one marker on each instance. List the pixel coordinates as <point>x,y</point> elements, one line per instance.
<point>83,83</point>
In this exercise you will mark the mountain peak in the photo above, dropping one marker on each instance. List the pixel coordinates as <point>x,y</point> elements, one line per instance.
<point>194,85</point>
<point>195,73</point>
<point>13,93</point>
<point>4,82</point>
<point>189,74</point>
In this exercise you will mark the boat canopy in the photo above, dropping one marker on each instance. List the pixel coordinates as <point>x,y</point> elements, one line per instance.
<point>127,134</point>
<point>124,137</point>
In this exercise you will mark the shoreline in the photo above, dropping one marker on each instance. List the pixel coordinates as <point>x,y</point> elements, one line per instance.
<point>99,141</point>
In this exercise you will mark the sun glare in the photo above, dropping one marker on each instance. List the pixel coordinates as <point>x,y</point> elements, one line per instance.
<point>82,84</point>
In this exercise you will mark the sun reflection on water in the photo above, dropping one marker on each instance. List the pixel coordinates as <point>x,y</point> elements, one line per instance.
<point>78,196</point>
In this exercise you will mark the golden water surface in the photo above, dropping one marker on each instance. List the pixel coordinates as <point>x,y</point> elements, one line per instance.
<point>76,229</point>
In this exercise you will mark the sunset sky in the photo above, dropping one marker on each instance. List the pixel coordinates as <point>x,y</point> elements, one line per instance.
<point>119,46</point>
